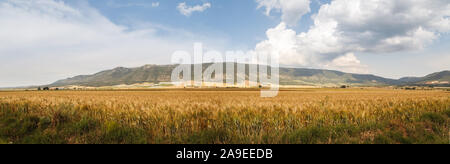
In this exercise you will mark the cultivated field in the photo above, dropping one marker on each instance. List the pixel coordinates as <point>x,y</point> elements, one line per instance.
<point>225,116</point>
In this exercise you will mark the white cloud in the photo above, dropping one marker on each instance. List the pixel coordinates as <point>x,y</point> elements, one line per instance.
<point>188,10</point>
<point>42,41</point>
<point>292,10</point>
<point>384,25</point>
<point>155,4</point>
<point>284,42</point>
<point>345,27</point>
<point>347,63</point>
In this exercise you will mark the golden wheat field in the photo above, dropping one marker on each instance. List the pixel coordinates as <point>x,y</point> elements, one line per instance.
<point>296,116</point>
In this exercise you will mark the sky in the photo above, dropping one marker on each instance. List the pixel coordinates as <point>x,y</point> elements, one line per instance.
<point>42,41</point>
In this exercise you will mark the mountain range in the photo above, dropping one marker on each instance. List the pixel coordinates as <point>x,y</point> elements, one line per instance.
<point>288,76</point>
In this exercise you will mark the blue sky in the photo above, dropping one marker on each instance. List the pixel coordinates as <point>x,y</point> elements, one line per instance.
<point>237,20</point>
<point>387,38</point>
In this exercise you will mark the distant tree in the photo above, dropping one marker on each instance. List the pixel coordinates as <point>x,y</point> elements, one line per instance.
<point>344,86</point>
<point>39,89</point>
<point>46,88</point>
<point>410,88</point>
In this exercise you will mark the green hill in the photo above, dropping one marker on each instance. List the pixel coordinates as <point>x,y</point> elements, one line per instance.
<point>288,76</point>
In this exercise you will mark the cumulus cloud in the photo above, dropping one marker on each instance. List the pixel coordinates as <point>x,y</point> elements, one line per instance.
<point>345,27</point>
<point>284,42</point>
<point>384,25</point>
<point>347,63</point>
<point>188,10</point>
<point>42,41</point>
<point>292,10</point>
